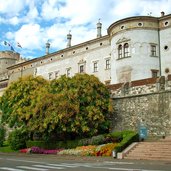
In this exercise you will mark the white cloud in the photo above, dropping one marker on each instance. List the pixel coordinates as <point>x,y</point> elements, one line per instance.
<point>80,12</point>
<point>127,8</point>
<point>50,9</point>
<point>11,7</point>
<point>14,20</point>
<point>32,14</point>
<point>29,36</point>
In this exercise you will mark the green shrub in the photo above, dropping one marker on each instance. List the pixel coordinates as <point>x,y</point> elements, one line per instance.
<point>114,137</point>
<point>17,139</point>
<point>2,135</point>
<point>97,140</point>
<point>128,138</point>
<point>52,145</point>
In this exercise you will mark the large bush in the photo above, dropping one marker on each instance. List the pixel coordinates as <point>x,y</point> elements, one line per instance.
<point>2,135</point>
<point>67,107</point>
<point>18,101</point>
<point>17,139</point>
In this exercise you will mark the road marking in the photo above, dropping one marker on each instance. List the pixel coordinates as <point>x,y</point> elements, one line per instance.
<point>108,162</point>
<point>10,169</point>
<point>63,165</point>
<point>27,161</point>
<point>132,169</point>
<point>31,168</point>
<point>48,167</point>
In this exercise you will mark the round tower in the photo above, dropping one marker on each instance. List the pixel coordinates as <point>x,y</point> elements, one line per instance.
<point>7,58</point>
<point>135,49</point>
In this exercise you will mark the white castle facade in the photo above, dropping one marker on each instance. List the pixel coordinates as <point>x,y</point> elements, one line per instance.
<point>134,48</point>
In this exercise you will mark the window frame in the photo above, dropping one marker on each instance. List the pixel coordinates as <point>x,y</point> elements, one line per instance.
<point>154,73</point>
<point>56,74</point>
<point>81,68</point>
<point>126,50</point>
<point>95,66</point>
<point>153,50</point>
<point>68,72</point>
<point>50,75</point>
<point>120,51</point>
<point>107,63</point>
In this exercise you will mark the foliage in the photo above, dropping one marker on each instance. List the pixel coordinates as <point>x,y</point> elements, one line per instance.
<point>6,149</point>
<point>128,138</point>
<point>18,101</point>
<point>67,108</point>
<point>2,135</point>
<point>83,105</point>
<point>17,139</point>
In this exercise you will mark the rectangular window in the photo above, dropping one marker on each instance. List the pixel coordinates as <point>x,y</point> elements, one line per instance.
<point>81,68</point>
<point>154,73</point>
<point>95,66</point>
<point>107,63</point>
<point>50,75</point>
<point>153,50</point>
<point>56,74</point>
<point>68,72</point>
<point>126,50</point>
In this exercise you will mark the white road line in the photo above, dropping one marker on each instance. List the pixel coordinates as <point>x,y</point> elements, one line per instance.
<point>108,162</point>
<point>31,168</point>
<point>63,165</point>
<point>27,161</point>
<point>132,169</point>
<point>10,169</point>
<point>48,167</point>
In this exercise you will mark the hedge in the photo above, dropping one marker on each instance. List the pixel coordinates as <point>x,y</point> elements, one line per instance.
<point>128,138</point>
<point>123,138</point>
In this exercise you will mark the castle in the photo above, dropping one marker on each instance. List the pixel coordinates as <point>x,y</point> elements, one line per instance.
<point>135,48</point>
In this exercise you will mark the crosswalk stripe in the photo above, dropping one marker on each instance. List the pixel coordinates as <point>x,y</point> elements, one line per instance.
<point>49,167</point>
<point>31,168</point>
<point>10,169</point>
<point>63,165</point>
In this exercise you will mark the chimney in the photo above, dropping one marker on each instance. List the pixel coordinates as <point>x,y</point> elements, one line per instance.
<point>99,28</point>
<point>47,47</point>
<point>162,14</point>
<point>69,36</point>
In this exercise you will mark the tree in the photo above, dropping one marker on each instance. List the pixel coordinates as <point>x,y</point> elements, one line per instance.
<point>18,101</point>
<point>84,104</point>
<point>77,106</point>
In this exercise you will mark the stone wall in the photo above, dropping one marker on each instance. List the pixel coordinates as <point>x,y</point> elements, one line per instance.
<point>148,104</point>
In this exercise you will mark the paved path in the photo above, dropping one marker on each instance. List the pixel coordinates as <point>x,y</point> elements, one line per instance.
<point>25,162</point>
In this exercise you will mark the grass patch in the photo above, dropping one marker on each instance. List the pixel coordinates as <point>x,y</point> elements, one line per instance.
<point>6,148</point>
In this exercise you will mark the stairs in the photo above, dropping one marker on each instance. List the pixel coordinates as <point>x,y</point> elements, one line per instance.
<point>158,150</point>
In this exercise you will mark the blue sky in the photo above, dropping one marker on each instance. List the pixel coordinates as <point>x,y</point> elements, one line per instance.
<point>31,23</point>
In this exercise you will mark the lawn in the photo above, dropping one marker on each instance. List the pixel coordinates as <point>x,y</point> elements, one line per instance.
<point>6,148</point>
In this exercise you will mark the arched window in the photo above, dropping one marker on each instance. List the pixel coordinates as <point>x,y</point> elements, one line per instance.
<point>120,51</point>
<point>126,50</point>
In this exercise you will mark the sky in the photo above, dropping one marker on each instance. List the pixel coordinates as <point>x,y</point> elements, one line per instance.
<point>31,23</point>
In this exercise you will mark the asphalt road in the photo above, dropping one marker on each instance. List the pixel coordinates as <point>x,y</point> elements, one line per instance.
<point>25,162</point>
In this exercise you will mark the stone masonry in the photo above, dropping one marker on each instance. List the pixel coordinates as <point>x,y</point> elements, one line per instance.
<point>148,104</point>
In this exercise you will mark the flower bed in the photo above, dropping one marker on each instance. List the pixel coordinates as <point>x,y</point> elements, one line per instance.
<point>100,150</point>
<point>38,150</point>
<point>90,150</point>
